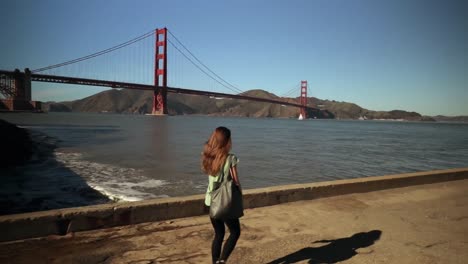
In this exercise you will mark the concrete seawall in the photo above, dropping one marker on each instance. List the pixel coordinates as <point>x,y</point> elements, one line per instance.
<point>63,221</point>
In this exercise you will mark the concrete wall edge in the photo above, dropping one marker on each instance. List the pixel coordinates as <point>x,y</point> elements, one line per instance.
<point>63,221</point>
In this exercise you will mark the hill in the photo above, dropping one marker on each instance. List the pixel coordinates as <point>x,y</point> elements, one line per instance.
<point>140,102</point>
<point>451,118</point>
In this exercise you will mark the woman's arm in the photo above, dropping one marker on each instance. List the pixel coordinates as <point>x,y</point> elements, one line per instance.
<point>234,175</point>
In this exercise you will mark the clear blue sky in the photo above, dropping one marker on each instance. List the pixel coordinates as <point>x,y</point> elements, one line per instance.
<point>381,55</point>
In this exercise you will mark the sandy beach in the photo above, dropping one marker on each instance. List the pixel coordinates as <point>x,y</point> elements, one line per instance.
<point>418,224</point>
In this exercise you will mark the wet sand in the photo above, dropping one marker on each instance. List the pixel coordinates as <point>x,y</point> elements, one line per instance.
<point>418,224</point>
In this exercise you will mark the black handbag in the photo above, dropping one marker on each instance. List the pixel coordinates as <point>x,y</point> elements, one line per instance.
<point>226,200</point>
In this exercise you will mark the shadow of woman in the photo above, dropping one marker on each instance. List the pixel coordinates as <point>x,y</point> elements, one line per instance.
<point>336,250</point>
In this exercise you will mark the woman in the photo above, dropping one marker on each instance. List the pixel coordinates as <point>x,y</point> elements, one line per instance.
<point>216,161</point>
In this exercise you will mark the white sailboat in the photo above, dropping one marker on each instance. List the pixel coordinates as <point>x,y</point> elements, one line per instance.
<point>300,117</point>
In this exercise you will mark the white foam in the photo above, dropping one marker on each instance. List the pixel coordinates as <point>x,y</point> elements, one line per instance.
<point>117,183</point>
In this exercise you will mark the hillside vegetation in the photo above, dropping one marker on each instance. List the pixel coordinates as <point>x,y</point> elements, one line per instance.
<point>140,102</point>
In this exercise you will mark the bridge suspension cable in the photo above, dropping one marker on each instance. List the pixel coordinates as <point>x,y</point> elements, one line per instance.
<point>291,91</point>
<point>218,78</point>
<point>96,54</point>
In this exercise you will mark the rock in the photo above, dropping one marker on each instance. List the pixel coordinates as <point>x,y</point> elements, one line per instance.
<point>17,146</point>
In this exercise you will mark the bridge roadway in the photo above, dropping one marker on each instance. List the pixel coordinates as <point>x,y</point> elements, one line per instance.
<point>135,86</point>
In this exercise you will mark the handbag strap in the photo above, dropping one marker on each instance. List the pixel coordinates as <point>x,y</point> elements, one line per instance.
<point>228,163</point>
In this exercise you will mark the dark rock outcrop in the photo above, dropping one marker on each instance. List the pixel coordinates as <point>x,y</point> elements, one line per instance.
<point>17,146</point>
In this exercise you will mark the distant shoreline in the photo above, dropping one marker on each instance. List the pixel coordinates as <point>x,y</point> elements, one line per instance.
<point>456,119</point>
<point>140,102</point>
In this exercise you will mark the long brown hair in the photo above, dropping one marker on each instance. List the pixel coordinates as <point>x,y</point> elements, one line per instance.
<point>216,150</point>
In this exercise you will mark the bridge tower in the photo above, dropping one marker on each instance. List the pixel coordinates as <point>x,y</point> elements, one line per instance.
<point>160,73</point>
<point>16,89</point>
<point>303,100</point>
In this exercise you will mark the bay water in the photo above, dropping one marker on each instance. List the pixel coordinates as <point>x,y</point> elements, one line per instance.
<point>99,158</point>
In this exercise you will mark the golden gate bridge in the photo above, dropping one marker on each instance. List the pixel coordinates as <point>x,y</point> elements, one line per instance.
<point>15,86</point>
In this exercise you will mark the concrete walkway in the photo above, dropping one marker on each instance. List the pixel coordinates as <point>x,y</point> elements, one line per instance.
<point>419,224</point>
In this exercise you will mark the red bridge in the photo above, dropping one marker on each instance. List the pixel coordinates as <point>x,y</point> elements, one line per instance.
<point>15,86</point>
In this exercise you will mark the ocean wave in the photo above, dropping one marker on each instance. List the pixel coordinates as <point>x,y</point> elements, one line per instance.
<point>111,180</point>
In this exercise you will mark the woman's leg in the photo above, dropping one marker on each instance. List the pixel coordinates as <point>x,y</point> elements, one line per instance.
<point>218,226</point>
<point>234,229</point>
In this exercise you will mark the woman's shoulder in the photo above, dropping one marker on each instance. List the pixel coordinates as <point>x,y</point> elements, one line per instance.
<point>234,159</point>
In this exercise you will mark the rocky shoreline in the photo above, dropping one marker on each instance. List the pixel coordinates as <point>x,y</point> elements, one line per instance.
<point>17,145</point>
<point>32,179</point>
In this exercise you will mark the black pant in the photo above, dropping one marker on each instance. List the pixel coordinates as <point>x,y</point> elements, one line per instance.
<point>234,229</point>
